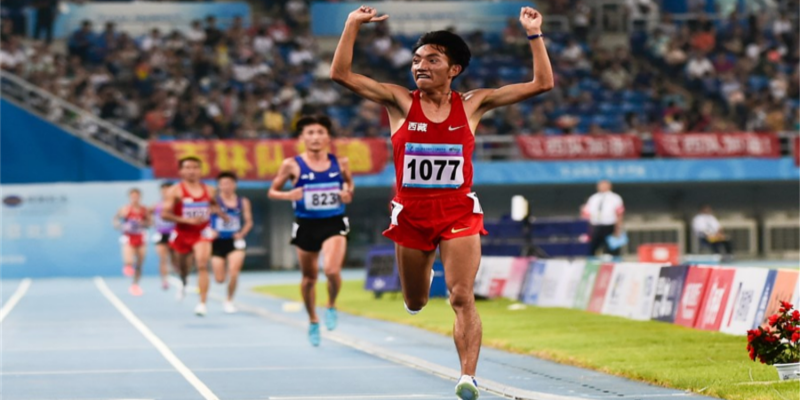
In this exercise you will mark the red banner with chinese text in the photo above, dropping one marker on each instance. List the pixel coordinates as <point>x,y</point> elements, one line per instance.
<point>710,145</point>
<point>580,147</point>
<point>260,159</point>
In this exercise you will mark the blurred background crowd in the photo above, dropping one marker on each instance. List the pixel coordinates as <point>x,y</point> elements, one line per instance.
<point>703,72</point>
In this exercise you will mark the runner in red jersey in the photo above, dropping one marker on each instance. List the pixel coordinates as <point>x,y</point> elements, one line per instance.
<point>433,139</point>
<point>133,219</point>
<point>189,204</point>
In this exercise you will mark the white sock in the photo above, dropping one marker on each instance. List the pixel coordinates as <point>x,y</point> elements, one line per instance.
<point>412,312</point>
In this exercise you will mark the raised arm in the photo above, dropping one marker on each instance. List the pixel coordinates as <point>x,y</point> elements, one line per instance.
<point>349,186</point>
<point>288,169</point>
<point>488,99</point>
<point>385,94</point>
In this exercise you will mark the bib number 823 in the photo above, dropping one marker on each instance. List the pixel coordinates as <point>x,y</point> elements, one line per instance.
<point>324,199</point>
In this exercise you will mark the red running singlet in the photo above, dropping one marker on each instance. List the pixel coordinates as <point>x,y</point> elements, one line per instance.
<point>432,159</point>
<point>192,207</point>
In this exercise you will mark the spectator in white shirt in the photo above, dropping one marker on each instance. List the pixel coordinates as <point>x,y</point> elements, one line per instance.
<point>152,41</point>
<point>709,231</point>
<point>604,210</point>
<point>196,34</point>
<point>698,66</point>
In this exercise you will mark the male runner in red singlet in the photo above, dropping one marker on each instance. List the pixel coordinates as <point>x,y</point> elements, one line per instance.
<point>189,204</point>
<point>433,138</point>
<point>133,219</point>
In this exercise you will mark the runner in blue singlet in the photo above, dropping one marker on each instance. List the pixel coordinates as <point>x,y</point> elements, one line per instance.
<point>322,186</point>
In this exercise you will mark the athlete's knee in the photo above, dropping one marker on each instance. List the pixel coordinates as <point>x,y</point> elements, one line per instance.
<point>461,299</point>
<point>220,279</point>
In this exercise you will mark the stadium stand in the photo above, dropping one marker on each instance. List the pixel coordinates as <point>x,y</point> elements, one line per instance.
<point>737,72</point>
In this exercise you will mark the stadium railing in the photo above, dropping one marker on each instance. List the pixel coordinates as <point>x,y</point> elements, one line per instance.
<point>73,119</point>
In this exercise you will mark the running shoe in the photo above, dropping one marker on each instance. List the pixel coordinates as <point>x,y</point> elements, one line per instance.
<point>200,310</point>
<point>331,318</point>
<point>180,294</point>
<point>313,334</point>
<point>228,307</point>
<point>135,290</point>
<point>128,270</point>
<point>467,388</point>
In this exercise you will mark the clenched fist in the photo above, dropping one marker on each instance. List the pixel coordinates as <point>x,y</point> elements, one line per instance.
<point>365,14</point>
<point>531,20</point>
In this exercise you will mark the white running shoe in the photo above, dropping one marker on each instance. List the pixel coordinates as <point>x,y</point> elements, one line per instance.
<point>200,310</point>
<point>229,308</point>
<point>180,294</point>
<point>467,388</point>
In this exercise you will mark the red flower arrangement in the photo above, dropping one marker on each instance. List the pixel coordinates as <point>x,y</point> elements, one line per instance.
<point>779,341</point>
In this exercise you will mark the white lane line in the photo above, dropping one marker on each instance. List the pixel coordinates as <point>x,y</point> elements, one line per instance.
<point>490,386</point>
<point>170,370</point>
<point>157,343</point>
<point>366,397</point>
<point>15,298</point>
<point>144,347</point>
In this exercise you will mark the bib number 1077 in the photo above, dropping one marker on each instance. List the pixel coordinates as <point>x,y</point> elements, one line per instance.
<point>433,169</point>
<point>433,166</point>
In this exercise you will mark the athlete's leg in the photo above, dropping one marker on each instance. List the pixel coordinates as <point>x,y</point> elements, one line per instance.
<point>182,260</point>
<point>308,265</point>
<point>128,259</point>
<point>415,267</point>
<point>140,252</point>
<point>333,252</point>
<point>461,258</point>
<point>218,265</point>
<point>163,252</point>
<point>235,263</point>
<point>202,254</point>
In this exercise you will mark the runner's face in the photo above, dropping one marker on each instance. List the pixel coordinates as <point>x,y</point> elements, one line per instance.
<point>226,186</point>
<point>431,68</point>
<point>134,197</point>
<point>315,137</point>
<point>190,171</point>
<point>164,192</point>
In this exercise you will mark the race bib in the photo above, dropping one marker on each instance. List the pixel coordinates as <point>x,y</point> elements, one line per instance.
<point>195,210</point>
<point>433,166</point>
<point>322,196</point>
<point>234,224</point>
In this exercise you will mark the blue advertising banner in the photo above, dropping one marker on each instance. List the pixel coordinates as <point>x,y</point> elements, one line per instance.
<point>533,283</point>
<point>327,19</point>
<point>66,230</point>
<point>763,302</point>
<point>138,18</point>
<point>668,292</point>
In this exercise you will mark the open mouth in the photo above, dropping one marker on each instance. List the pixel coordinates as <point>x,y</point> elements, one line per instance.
<point>423,76</point>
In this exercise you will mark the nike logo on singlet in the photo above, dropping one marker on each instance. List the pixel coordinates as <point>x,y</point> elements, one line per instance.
<point>450,128</point>
<point>454,230</point>
<point>333,174</point>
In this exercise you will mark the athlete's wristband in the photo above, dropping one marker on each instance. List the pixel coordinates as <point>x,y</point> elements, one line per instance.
<point>536,36</point>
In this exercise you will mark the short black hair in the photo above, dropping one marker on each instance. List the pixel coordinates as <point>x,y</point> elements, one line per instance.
<point>227,174</point>
<point>452,45</point>
<point>320,119</point>
<point>189,158</point>
<point>166,184</point>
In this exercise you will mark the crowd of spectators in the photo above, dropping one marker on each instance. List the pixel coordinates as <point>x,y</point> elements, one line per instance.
<point>746,66</point>
<point>254,80</point>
